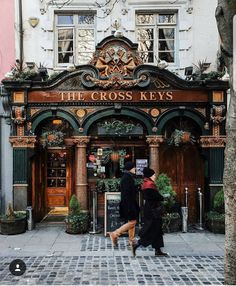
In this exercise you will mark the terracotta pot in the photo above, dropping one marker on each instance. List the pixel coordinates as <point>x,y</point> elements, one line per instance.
<point>186,137</point>
<point>115,156</point>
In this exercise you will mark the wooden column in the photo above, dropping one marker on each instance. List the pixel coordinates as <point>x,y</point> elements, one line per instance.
<point>81,182</point>
<point>154,144</point>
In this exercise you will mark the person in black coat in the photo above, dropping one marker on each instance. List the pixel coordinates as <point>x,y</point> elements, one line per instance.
<point>151,233</point>
<point>129,209</point>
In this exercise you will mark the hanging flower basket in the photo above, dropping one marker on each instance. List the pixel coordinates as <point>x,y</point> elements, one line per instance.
<point>179,136</point>
<point>52,138</point>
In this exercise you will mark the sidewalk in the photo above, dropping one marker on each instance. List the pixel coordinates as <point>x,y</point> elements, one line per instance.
<point>55,257</point>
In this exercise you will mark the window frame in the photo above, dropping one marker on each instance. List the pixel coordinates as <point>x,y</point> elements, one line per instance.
<point>156,25</point>
<point>75,27</point>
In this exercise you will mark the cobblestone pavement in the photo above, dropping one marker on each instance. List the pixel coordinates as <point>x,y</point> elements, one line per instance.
<point>116,270</point>
<point>96,262</point>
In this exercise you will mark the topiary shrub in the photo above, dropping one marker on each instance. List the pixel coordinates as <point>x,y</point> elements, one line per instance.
<point>164,186</point>
<point>77,221</point>
<point>74,208</point>
<point>219,201</point>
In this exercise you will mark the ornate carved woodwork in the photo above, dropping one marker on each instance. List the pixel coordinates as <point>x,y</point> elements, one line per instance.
<point>23,141</point>
<point>115,59</point>
<point>212,141</point>
<point>218,114</point>
<point>155,140</point>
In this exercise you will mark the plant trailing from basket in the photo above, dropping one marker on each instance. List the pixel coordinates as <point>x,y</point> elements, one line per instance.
<point>52,138</point>
<point>118,127</point>
<point>180,136</point>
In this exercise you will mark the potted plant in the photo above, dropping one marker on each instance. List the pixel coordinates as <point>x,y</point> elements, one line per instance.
<point>13,222</point>
<point>77,220</point>
<point>215,219</point>
<point>171,219</point>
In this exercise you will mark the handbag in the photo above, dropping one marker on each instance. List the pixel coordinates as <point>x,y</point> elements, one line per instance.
<point>158,211</point>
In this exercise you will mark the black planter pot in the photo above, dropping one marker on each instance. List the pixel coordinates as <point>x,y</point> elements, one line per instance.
<point>16,226</point>
<point>215,226</point>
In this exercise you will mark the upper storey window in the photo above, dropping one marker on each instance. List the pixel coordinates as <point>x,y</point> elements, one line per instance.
<point>75,36</point>
<point>156,36</point>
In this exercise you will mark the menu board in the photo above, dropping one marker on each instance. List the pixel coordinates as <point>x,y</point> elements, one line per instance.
<point>112,214</point>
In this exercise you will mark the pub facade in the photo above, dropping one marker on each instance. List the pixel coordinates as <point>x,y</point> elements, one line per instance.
<point>84,124</point>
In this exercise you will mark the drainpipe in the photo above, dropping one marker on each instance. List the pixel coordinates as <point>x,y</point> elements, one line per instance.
<point>21,34</point>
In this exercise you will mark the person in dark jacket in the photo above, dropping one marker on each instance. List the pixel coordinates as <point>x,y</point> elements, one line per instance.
<point>151,232</point>
<point>129,209</point>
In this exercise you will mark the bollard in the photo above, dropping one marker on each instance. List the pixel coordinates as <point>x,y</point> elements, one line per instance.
<point>200,209</point>
<point>184,211</point>
<point>29,215</point>
<point>94,231</point>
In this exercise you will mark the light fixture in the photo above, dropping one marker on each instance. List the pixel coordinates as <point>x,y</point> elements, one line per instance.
<point>57,121</point>
<point>33,21</point>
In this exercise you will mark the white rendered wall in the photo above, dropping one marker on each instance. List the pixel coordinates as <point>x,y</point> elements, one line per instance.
<point>197,37</point>
<point>206,38</point>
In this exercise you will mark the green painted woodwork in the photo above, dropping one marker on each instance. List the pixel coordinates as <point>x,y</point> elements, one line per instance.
<point>20,166</point>
<point>50,113</point>
<point>216,165</point>
<point>90,120</point>
<point>171,113</point>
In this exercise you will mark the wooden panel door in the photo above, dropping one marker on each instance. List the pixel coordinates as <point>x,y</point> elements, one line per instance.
<point>184,166</point>
<point>58,178</point>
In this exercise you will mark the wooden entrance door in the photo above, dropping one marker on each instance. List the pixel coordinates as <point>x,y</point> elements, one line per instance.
<point>58,177</point>
<point>184,166</point>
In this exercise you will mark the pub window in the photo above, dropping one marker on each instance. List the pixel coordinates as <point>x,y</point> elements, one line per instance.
<point>156,37</point>
<point>75,38</point>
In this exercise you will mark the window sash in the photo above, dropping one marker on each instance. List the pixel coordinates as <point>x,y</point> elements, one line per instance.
<point>163,41</point>
<point>70,47</point>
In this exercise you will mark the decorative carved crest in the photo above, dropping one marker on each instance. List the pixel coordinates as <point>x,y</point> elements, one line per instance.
<point>218,114</point>
<point>115,59</point>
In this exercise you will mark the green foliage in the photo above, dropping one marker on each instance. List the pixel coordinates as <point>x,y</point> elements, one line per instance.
<point>108,185</point>
<point>52,138</point>
<point>77,220</point>
<point>171,222</point>
<point>78,223</point>
<point>118,127</point>
<point>176,137</point>
<point>214,215</point>
<point>74,208</point>
<point>164,186</point>
<point>218,201</point>
<point>112,185</point>
<point>12,215</point>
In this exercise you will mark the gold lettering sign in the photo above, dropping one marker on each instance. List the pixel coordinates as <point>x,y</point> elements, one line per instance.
<point>18,97</point>
<point>118,96</point>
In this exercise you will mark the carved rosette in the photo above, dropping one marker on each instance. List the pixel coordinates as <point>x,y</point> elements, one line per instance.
<point>212,141</point>
<point>81,141</point>
<point>23,141</point>
<point>155,140</point>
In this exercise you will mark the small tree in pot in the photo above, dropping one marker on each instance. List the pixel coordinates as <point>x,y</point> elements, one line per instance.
<point>215,219</point>
<point>171,219</point>
<point>77,220</point>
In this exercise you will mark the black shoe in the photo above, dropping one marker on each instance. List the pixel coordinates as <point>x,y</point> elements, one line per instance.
<point>160,253</point>
<point>134,248</point>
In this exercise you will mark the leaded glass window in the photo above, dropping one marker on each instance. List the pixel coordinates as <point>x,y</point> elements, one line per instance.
<point>156,37</point>
<point>75,38</point>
